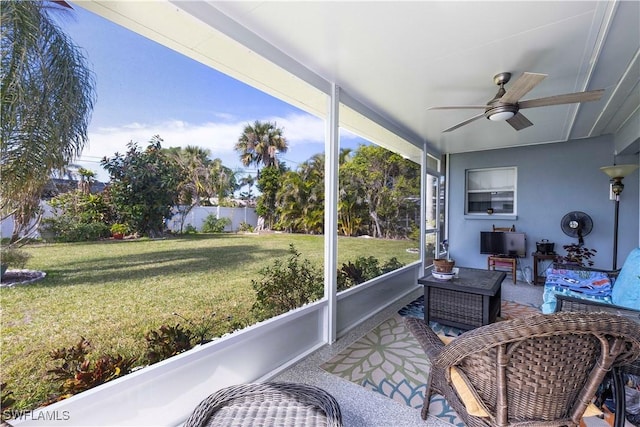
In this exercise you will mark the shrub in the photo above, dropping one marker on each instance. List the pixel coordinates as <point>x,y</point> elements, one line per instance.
<point>245,227</point>
<point>414,233</point>
<point>287,285</point>
<point>392,264</point>
<point>348,276</point>
<point>78,217</point>
<point>190,229</point>
<point>167,341</point>
<point>363,269</point>
<point>14,257</point>
<point>76,373</point>
<point>202,329</point>
<point>215,225</point>
<point>69,230</point>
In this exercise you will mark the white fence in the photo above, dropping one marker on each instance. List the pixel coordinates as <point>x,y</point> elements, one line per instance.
<point>197,215</point>
<point>195,218</point>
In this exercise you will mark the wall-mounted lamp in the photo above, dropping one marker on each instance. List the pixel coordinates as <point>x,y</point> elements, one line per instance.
<point>617,173</point>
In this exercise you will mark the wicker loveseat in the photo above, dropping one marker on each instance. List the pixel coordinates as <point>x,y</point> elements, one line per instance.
<point>538,370</point>
<point>567,301</point>
<point>616,291</point>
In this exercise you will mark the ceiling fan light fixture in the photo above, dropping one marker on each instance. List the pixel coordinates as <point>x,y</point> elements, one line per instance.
<point>501,113</point>
<point>501,116</point>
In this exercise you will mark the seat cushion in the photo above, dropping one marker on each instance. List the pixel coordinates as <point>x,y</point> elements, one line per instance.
<point>626,289</point>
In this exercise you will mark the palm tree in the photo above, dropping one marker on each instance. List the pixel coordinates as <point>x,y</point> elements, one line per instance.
<point>248,181</point>
<point>259,144</point>
<point>48,93</point>
<point>194,162</point>
<point>300,198</point>
<point>87,178</point>
<point>196,184</point>
<point>223,180</point>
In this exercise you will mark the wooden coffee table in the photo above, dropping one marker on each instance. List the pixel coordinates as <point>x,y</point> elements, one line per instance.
<point>467,301</point>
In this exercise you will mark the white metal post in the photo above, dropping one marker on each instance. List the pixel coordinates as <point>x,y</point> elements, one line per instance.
<point>332,143</point>
<point>423,206</point>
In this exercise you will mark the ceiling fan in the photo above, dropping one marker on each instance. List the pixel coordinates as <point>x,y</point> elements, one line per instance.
<point>506,105</point>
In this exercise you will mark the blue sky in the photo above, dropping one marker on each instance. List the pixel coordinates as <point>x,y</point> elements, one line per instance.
<point>144,89</point>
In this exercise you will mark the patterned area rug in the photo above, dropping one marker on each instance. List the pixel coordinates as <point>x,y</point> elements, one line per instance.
<point>389,360</point>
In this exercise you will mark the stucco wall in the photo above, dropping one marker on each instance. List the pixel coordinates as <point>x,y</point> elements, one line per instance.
<point>553,179</point>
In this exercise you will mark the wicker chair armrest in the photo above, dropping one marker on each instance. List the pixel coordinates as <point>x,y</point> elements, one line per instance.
<point>494,335</point>
<point>569,303</point>
<point>429,341</point>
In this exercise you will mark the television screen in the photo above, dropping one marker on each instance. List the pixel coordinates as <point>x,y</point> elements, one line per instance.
<point>503,243</point>
<point>491,242</point>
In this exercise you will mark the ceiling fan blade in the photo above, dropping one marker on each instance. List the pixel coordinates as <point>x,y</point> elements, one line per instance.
<point>519,122</point>
<point>458,107</point>
<point>474,118</point>
<point>568,98</point>
<point>521,87</point>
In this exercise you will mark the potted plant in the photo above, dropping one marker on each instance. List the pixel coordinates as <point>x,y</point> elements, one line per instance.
<point>118,230</point>
<point>577,255</point>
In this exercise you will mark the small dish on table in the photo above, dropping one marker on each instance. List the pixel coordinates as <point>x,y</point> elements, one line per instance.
<point>443,276</point>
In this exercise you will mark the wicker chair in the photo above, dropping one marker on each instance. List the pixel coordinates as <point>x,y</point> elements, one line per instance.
<point>540,370</point>
<point>267,404</point>
<point>568,303</point>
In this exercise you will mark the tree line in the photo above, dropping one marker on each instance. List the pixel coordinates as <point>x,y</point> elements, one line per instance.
<point>377,192</point>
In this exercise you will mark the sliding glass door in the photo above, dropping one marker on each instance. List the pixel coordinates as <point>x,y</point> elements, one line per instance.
<point>435,236</point>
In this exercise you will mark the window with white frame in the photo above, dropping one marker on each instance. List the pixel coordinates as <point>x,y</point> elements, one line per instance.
<point>491,191</point>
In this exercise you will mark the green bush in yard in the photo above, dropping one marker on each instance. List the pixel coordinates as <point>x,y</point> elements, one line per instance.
<point>79,217</point>
<point>215,225</point>
<point>167,341</point>
<point>363,269</point>
<point>69,230</point>
<point>245,227</point>
<point>12,257</point>
<point>77,372</point>
<point>287,285</point>
<point>392,264</point>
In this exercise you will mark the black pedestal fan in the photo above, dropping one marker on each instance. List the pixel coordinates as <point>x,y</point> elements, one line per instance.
<point>577,224</point>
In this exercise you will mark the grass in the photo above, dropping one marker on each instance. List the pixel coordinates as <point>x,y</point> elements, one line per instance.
<point>113,292</point>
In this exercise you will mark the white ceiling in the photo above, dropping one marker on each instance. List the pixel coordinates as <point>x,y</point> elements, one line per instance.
<point>394,59</point>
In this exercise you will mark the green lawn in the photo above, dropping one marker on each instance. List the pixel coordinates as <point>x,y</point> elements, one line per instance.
<point>113,292</point>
